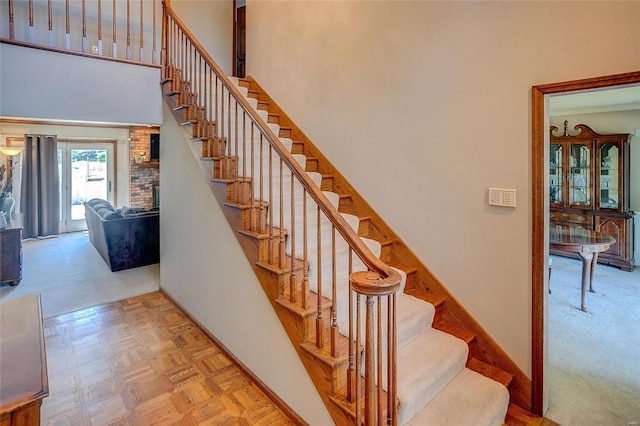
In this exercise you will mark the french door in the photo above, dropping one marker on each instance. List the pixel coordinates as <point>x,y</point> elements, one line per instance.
<point>85,171</point>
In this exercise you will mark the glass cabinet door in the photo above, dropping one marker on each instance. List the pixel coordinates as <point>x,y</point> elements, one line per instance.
<point>556,172</point>
<point>579,175</point>
<point>609,195</point>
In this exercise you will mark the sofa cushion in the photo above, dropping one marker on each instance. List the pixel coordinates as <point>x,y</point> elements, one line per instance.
<point>108,213</point>
<point>95,201</point>
<point>128,211</point>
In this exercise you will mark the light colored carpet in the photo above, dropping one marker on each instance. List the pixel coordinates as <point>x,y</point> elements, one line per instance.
<point>70,275</point>
<point>594,358</point>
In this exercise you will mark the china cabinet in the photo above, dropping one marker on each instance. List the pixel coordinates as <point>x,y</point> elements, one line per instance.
<point>589,188</point>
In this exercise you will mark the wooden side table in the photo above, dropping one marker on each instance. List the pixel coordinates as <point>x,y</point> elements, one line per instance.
<point>23,365</point>
<point>11,255</point>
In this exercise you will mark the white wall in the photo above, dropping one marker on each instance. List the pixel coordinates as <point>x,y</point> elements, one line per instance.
<point>38,84</point>
<point>121,135</point>
<point>205,269</point>
<point>211,22</point>
<point>424,105</point>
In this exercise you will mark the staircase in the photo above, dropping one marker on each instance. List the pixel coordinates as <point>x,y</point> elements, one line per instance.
<point>378,346</point>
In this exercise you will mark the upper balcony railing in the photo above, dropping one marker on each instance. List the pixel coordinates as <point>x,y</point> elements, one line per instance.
<point>122,30</point>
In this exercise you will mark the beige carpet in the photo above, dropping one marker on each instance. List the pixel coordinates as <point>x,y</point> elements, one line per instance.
<point>70,275</point>
<point>594,358</point>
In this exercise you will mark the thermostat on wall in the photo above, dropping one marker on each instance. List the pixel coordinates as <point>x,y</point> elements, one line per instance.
<point>502,197</point>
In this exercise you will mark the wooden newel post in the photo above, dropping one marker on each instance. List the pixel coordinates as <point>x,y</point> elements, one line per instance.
<point>375,287</point>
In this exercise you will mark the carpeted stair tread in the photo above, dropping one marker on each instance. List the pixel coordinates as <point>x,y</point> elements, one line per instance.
<point>413,317</point>
<point>425,365</point>
<point>469,399</point>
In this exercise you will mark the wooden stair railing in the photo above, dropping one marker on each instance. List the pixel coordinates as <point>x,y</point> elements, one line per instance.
<point>80,29</point>
<point>302,239</point>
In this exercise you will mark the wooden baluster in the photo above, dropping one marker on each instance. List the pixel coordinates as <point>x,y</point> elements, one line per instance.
<point>12,33</point>
<point>231,154</point>
<point>218,117</point>
<point>166,49</point>
<point>210,81</point>
<point>238,178</point>
<point>183,56</point>
<point>128,47</point>
<point>114,45</point>
<point>67,35</point>
<point>202,69</point>
<point>50,13</point>
<point>351,368</point>
<point>245,154</point>
<point>84,26</point>
<point>319,319</point>
<point>263,223</point>
<point>334,296</point>
<point>254,221</point>
<point>305,259</point>
<point>99,27</point>
<point>292,277</point>
<point>272,255</point>
<point>281,201</point>
<point>369,365</point>
<point>154,37</point>
<point>379,362</point>
<point>142,31</point>
<point>392,357</point>
<point>190,67</point>
<point>32,30</point>
<point>222,135</point>
<point>358,376</point>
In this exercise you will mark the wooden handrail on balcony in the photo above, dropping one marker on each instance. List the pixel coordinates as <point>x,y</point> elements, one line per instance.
<point>221,117</point>
<point>76,29</point>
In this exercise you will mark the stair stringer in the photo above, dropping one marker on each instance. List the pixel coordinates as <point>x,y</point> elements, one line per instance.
<point>421,282</point>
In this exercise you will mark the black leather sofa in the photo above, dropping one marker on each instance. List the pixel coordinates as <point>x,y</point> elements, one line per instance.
<point>125,238</point>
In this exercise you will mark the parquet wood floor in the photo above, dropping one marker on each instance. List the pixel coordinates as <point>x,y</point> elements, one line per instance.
<point>140,361</point>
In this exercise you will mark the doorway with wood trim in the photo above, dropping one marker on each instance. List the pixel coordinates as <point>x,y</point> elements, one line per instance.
<point>540,217</point>
<point>239,38</point>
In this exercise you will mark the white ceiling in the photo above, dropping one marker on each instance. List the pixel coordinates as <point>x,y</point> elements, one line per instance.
<point>621,98</point>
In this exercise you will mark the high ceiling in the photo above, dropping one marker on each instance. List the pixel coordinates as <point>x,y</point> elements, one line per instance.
<point>622,98</point>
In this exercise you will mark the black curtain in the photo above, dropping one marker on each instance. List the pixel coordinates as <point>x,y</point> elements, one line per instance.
<point>40,200</point>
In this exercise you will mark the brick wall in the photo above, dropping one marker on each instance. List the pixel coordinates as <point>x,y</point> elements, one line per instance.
<point>143,179</point>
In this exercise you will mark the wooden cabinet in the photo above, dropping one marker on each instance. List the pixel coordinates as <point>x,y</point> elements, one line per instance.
<point>11,255</point>
<point>589,188</point>
<point>23,364</point>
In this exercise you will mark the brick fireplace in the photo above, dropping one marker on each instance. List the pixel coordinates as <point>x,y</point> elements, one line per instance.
<point>144,177</point>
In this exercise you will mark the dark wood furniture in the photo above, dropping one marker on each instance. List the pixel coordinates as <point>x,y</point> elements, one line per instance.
<point>589,188</point>
<point>11,255</point>
<point>587,244</point>
<point>23,366</point>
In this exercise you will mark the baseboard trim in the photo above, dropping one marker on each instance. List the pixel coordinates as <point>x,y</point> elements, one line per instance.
<point>255,379</point>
